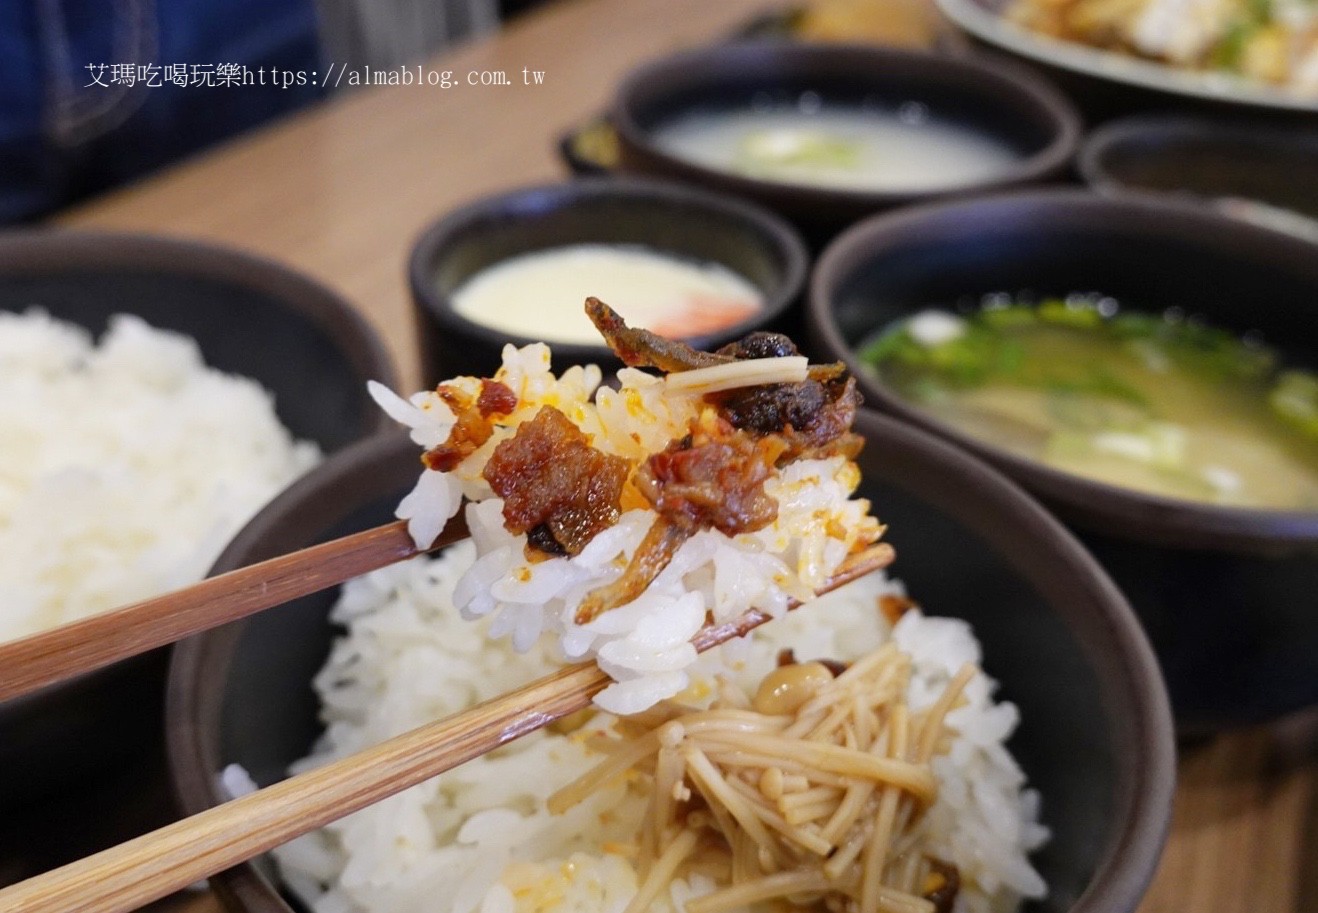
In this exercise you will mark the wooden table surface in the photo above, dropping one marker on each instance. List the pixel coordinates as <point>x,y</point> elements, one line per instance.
<point>341,191</point>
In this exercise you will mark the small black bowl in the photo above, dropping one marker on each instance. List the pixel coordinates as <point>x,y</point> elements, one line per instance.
<point>1024,112</point>
<point>1246,169</point>
<point>1096,734</point>
<point>252,317</point>
<point>667,218</point>
<point>1227,595</point>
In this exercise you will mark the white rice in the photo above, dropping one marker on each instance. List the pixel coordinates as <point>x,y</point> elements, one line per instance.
<point>479,838</point>
<point>124,467</point>
<point>642,645</point>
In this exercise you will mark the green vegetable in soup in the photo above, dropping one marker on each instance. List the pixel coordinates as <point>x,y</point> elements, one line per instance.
<point>778,147</point>
<point>1165,405</point>
<point>1295,401</point>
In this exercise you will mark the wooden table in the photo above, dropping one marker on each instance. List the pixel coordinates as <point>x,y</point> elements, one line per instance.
<point>341,191</point>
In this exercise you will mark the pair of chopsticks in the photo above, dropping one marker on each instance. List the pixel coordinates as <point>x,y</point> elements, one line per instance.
<point>91,643</point>
<point>149,867</point>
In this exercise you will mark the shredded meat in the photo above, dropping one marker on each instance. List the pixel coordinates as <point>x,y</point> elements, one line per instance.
<point>815,415</point>
<point>495,399</point>
<point>474,423</point>
<point>713,478</point>
<point>555,486</point>
<point>759,345</point>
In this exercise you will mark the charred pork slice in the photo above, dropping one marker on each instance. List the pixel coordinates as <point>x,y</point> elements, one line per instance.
<point>555,486</point>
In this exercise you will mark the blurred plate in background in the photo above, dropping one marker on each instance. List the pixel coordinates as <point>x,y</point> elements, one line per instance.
<point>1083,70</point>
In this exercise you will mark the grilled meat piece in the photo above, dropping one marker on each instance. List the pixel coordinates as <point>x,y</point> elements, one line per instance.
<point>555,485</point>
<point>711,479</point>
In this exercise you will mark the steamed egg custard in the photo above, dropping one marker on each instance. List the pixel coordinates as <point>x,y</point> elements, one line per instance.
<point>538,295</point>
<point>1158,404</point>
<point>841,147</point>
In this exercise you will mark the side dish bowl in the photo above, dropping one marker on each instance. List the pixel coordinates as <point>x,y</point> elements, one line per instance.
<point>1226,594</point>
<point>1248,170</point>
<point>986,98</point>
<point>251,317</point>
<point>669,219</point>
<point>1095,738</point>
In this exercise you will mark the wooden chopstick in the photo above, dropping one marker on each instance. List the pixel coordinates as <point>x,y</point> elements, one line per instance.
<point>82,646</point>
<point>149,867</point>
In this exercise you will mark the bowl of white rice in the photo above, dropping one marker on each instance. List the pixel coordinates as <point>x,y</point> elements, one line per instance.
<point>157,393</point>
<point>1054,794</point>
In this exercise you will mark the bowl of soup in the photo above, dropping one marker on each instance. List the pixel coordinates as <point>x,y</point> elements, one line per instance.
<point>517,267</point>
<point>829,134</point>
<point>1147,368</point>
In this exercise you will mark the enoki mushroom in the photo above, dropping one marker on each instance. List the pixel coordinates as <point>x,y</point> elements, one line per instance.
<point>811,793</point>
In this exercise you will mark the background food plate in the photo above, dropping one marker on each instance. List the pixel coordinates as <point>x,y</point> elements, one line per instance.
<point>984,21</point>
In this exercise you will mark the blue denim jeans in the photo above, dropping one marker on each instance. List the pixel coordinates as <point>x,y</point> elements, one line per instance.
<point>96,92</point>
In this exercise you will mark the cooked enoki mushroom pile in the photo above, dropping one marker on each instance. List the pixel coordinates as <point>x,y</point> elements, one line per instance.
<point>809,792</point>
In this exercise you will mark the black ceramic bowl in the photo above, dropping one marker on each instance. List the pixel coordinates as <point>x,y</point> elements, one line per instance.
<point>1024,112</point>
<point>1227,595</point>
<point>1096,735</point>
<point>1248,170</point>
<point>301,341</point>
<point>668,218</point>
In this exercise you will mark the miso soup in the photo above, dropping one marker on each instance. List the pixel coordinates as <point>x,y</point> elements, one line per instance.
<point>1153,403</point>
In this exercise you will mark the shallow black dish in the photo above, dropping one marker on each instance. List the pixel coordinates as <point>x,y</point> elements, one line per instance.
<point>1024,112</point>
<point>1227,595</point>
<point>1096,737</point>
<point>668,218</point>
<point>250,316</point>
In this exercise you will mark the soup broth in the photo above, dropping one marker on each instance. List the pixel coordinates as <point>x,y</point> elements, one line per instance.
<point>1159,405</point>
<point>848,148</point>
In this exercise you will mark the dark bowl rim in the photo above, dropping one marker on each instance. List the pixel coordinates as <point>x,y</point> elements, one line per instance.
<point>1091,160</point>
<point>1146,517</point>
<point>38,251</point>
<point>33,251</point>
<point>1132,692</point>
<point>785,240</point>
<point>1049,104</point>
